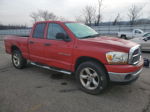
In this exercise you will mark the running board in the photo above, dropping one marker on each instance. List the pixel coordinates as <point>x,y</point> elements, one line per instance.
<point>50,68</point>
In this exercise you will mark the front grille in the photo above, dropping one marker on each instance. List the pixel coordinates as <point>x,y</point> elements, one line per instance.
<point>134,55</point>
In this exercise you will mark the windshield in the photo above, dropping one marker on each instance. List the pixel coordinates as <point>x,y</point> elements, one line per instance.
<point>147,35</point>
<point>81,30</point>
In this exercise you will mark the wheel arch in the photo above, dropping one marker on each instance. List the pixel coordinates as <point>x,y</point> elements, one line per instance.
<point>123,35</point>
<point>86,58</point>
<point>14,47</point>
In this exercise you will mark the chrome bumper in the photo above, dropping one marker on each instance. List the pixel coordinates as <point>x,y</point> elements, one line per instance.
<point>124,77</point>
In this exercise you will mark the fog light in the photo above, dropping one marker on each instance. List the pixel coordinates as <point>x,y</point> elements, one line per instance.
<point>128,77</point>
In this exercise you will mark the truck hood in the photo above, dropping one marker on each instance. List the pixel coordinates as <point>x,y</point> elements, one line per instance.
<point>137,40</point>
<point>112,42</point>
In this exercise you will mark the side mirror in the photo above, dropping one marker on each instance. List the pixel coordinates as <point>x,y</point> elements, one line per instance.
<point>62,36</point>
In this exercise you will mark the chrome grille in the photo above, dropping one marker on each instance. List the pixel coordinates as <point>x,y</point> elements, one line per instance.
<point>134,55</point>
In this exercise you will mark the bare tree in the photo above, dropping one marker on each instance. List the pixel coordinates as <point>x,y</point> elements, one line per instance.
<point>34,16</point>
<point>134,13</point>
<point>117,19</point>
<point>89,15</point>
<point>79,19</point>
<point>43,15</point>
<point>61,18</point>
<point>99,16</point>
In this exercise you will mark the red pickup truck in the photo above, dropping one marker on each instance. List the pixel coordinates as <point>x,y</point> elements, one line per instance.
<point>71,47</point>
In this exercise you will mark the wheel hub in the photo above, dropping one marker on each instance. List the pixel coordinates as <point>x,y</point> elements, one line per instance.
<point>89,78</point>
<point>16,60</point>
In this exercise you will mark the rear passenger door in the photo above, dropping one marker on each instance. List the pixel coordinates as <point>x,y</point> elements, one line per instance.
<point>36,43</point>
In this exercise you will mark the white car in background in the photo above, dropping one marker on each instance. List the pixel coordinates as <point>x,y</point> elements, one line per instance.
<point>143,41</point>
<point>130,35</point>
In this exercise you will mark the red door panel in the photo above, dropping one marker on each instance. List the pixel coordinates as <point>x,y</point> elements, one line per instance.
<point>36,47</point>
<point>36,43</point>
<point>59,54</point>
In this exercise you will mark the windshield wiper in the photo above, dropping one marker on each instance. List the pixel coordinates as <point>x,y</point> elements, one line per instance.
<point>91,36</point>
<point>87,36</point>
<point>96,35</point>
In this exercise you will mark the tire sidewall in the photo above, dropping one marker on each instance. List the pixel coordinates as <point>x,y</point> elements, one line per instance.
<point>21,59</point>
<point>101,73</point>
<point>123,37</point>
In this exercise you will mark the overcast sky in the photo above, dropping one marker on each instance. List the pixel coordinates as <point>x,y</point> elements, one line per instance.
<point>18,11</point>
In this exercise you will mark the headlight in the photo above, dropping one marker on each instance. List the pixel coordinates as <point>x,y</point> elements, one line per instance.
<point>117,57</point>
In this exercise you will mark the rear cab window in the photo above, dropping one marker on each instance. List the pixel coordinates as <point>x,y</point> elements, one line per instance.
<point>39,30</point>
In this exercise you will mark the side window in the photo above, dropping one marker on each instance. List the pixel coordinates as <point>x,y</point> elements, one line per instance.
<point>53,29</point>
<point>137,31</point>
<point>148,38</point>
<point>39,30</point>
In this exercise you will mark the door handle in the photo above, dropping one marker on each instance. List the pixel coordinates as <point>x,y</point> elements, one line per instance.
<point>47,44</point>
<point>31,42</point>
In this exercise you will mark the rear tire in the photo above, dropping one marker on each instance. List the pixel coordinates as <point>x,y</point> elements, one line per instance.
<point>17,60</point>
<point>91,77</point>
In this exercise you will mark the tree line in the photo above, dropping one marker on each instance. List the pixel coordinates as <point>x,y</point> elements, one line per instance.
<point>89,15</point>
<point>92,15</point>
<point>5,27</point>
<point>45,15</point>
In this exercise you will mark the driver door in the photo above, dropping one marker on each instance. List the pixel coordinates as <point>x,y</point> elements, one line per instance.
<point>58,52</point>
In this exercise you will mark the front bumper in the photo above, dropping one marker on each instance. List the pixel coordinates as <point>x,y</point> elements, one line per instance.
<point>124,73</point>
<point>124,77</point>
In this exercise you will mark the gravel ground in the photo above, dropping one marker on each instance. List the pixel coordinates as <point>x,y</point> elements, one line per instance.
<point>38,90</point>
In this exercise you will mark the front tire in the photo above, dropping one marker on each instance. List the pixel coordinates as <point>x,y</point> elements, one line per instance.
<point>91,77</point>
<point>17,60</point>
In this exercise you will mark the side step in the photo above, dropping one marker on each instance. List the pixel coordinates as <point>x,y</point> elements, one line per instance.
<point>50,68</point>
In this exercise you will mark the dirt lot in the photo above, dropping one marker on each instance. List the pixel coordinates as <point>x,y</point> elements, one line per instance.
<point>38,90</point>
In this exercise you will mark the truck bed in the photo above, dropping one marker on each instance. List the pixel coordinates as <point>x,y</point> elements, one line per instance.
<point>19,41</point>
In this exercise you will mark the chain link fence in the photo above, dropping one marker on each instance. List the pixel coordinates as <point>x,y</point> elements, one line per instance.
<point>103,30</point>
<point>113,30</point>
<point>24,32</point>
